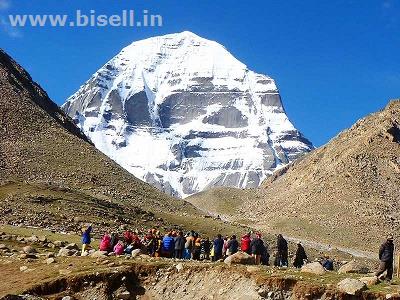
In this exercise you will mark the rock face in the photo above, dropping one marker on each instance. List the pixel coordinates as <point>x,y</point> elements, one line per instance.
<point>313,268</point>
<point>181,113</point>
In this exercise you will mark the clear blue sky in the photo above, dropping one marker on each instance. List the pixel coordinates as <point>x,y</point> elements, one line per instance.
<point>334,61</point>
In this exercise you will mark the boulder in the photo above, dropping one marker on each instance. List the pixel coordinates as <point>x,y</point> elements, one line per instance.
<point>313,268</point>
<point>179,267</point>
<point>240,258</point>
<point>23,268</point>
<point>50,260</point>
<point>99,254</point>
<point>42,239</point>
<point>29,250</point>
<point>66,252</point>
<point>72,246</point>
<point>353,267</point>
<point>351,286</point>
<point>58,243</point>
<point>32,239</point>
<point>370,281</point>
<point>135,252</point>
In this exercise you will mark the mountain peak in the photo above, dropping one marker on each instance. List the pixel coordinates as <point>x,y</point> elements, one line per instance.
<point>183,114</point>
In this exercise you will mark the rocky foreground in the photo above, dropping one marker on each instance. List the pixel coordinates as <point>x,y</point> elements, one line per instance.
<point>36,267</point>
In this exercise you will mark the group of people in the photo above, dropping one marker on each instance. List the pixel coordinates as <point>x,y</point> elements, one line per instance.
<point>176,244</point>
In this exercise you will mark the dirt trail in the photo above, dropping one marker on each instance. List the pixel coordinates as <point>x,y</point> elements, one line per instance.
<point>314,245</point>
<point>327,247</point>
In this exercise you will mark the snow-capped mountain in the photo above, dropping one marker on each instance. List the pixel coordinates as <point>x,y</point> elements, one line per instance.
<point>183,114</point>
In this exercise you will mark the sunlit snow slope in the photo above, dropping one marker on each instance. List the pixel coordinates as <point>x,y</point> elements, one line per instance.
<point>183,114</point>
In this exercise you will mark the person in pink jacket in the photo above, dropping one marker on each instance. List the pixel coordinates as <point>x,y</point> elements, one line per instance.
<point>119,248</point>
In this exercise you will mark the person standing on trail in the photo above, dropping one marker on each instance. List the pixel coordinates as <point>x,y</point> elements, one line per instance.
<point>300,256</point>
<point>218,246</point>
<point>282,246</point>
<point>245,243</point>
<point>179,245</point>
<point>257,248</point>
<point>233,245</point>
<point>386,257</point>
<point>168,245</point>
<point>189,245</point>
<point>86,239</point>
<point>205,248</point>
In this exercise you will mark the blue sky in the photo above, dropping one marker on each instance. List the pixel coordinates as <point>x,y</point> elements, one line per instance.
<point>333,61</point>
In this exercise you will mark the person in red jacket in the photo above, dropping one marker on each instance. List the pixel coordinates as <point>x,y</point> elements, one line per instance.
<point>245,244</point>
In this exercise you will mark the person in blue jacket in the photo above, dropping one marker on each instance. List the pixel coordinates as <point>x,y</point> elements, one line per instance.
<point>168,245</point>
<point>86,239</point>
<point>218,246</point>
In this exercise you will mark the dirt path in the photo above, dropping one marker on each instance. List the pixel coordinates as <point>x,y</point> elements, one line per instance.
<point>317,245</point>
<point>327,247</point>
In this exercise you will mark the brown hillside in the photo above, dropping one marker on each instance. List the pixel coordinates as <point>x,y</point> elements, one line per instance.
<point>52,176</point>
<point>346,193</point>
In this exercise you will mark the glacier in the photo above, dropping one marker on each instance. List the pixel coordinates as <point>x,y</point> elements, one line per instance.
<point>183,114</point>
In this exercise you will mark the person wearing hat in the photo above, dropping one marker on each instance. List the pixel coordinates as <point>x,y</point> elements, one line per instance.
<point>386,257</point>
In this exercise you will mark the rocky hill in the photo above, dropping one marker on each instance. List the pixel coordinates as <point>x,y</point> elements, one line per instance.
<point>344,193</point>
<point>201,118</point>
<point>52,176</point>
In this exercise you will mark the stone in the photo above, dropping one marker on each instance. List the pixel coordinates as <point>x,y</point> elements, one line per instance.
<point>32,239</point>
<point>66,252</point>
<point>99,254</point>
<point>313,268</point>
<point>135,252</point>
<point>179,267</point>
<point>42,239</point>
<point>370,281</point>
<point>124,295</point>
<point>240,258</point>
<point>29,250</point>
<point>50,260</point>
<point>3,247</point>
<point>72,246</point>
<point>58,243</point>
<point>353,267</point>
<point>351,286</point>
<point>23,268</point>
<point>67,298</point>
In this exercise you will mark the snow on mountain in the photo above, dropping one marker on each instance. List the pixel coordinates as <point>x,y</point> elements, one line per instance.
<point>183,114</point>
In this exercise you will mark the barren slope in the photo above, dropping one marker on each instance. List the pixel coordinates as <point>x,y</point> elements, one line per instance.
<point>51,176</point>
<point>345,193</point>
